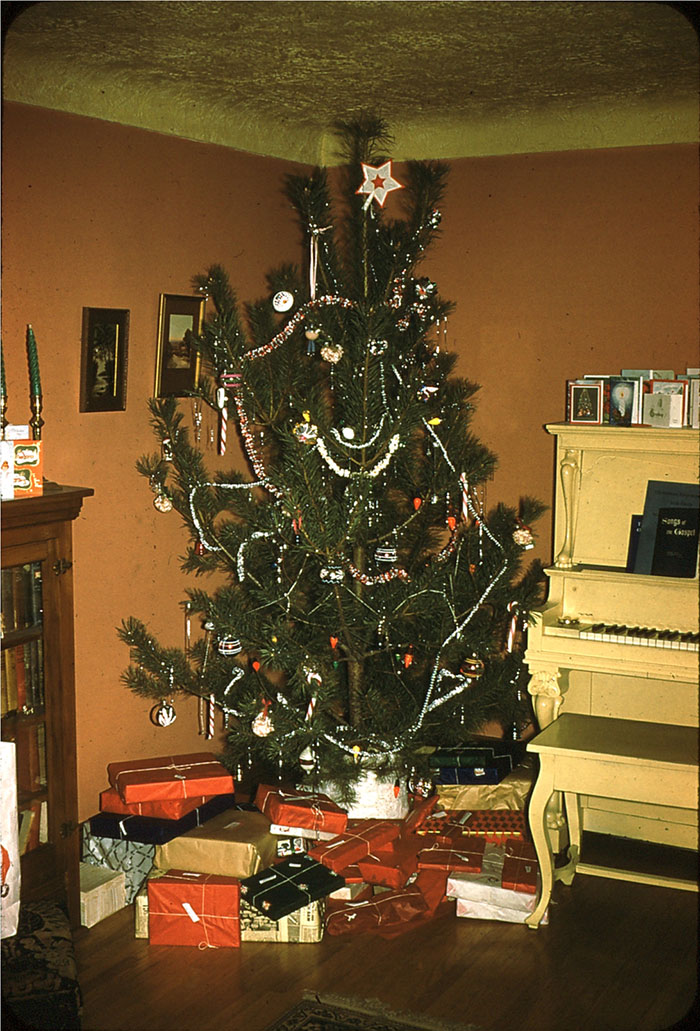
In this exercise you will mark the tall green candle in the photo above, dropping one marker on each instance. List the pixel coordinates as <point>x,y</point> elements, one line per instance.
<point>34,381</point>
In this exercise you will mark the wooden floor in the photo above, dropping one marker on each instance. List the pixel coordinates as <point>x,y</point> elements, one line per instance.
<point>616,956</point>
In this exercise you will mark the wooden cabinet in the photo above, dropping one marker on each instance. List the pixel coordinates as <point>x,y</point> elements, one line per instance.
<point>38,686</point>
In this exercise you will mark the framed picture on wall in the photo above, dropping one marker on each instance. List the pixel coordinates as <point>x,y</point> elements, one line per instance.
<point>105,342</point>
<point>177,361</point>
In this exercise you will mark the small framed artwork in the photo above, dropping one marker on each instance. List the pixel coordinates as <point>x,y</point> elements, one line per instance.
<point>105,343</point>
<point>586,403</point>
<point>177,362</point>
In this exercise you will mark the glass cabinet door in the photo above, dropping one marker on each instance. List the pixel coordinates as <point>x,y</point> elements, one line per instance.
<point>23,697</point>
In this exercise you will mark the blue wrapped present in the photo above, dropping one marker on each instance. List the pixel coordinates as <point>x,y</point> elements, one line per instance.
<point>151,830</point>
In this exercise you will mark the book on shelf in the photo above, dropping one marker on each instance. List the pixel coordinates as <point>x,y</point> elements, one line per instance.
<point>668,537</point>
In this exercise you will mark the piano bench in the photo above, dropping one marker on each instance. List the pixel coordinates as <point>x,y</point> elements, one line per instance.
<point>612,758</point>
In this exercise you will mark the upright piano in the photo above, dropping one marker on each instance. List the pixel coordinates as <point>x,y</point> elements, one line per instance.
<point>610,642</point>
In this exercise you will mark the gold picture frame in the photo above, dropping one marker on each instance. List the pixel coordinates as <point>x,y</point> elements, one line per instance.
<point>105,342</point>
<point>178,364</point>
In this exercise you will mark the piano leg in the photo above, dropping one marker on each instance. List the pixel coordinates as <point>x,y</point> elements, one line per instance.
<point>547,699</point>
<point>537,816</point>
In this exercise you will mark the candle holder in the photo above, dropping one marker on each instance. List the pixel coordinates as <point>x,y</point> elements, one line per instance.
<point>36,421</point>
<point>3,420</point>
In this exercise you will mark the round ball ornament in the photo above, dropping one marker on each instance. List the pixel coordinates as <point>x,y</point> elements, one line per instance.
<point>523,537</point>
<point>420,786</point>
<point>307,759</point>
<point>163,714</point>
<point>162,503</point>
<point>283,300</point>
<point>262,725</point>
<point>228,646</point>
<point>332,353</point>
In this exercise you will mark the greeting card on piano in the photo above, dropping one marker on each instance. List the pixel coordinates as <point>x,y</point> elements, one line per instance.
<point>668,538</point>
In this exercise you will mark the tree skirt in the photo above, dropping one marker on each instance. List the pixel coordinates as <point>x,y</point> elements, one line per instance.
<point>332,1013</point>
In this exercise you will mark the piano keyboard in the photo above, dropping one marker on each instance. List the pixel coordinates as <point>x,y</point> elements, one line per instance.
<point>617,633</point>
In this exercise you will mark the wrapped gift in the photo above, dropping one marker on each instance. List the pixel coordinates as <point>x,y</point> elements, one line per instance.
<point>508,878</point>
<point>422,808</point>
<point>387,911</point>
<point>448,823</point>
<point>497,824</point>
<point>301,809</point>
<point>478,751</point>
<point>141,912</point>
<point>153,831</point>
<point>466,856</point>
<point>489,911</point>
<point>236,843</point>
<point>133,859</point>
<point>283,831</point>
<point>289,885</point>
<point>392,864</point>
<point>494,769</point>
<point>512,792</point>
<point>102,892</point>
<point>291,846</point>
<point>187,908</point>
<point>161,809</point>
<point>354,883</point>
<point>170,776</point>
<point>359,838</point>
<point>303,926</point>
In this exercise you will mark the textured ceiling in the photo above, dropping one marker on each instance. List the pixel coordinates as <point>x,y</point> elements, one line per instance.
<point>453,79</point>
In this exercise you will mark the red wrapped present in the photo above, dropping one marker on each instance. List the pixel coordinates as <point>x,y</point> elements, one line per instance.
<point>392,864</point>
<point>385,912</point>
<point>359,838</point>
<point>466,856</point>
<point>391,913</point>
<point>422,808</point>
<point>497,825</point>
<point>194,909</point>
<point>164,809</point>
<point>170,776</point>
<point>300,809</point>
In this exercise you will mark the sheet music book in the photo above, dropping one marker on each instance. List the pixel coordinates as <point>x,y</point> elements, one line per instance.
<point>668,538</point>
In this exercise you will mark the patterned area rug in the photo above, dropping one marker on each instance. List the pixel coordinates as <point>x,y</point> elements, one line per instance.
<point>331,1013</point>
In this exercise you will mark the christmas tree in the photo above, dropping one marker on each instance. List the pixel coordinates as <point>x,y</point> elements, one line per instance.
<point>370,605</point>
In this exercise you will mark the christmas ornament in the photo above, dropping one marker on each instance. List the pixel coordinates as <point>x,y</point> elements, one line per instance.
<point>162,502</point>
<point>331,574</point>
<point>332,353</point>
<point>228,646</point>
<point>408,657</point>
<point>163,714</point>
<point>200,548</point>
<point>427,391</point>
<point>422,787</point>
<point>424,288</point>
<point>167,449</point>
<point>262,725</point>
<point>378,182</point>
<point>417,502</point>
<point>523,537</point>
<point>305,431</point>
<point>472,667</point>
<point>311,333</point>
<point>451,522</point>
<point>256,665</point>
<point>385,554</point>
<point>283,300</point>
<point>223,418</point>
<point>348,433</point>
<point>307,759</point>
<point>356,750</point>
<point>334,641</point>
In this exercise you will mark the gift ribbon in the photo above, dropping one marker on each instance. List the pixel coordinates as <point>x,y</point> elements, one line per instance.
<point>352,908</point>
<point>348,836</point>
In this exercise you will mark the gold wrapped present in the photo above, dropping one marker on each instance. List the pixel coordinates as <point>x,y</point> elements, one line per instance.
<point>512,792</point>
<point>236,843</point>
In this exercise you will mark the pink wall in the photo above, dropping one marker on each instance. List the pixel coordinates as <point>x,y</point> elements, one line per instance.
<point>560,264</point>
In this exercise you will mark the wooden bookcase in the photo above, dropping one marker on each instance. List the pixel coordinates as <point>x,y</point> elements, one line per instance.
<point>38,687</point>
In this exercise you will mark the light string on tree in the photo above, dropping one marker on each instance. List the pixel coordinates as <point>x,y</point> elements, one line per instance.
<point>204,540</point>
<point>325,301</point>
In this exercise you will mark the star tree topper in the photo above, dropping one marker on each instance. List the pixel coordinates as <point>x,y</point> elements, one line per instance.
<point>378,182</point>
